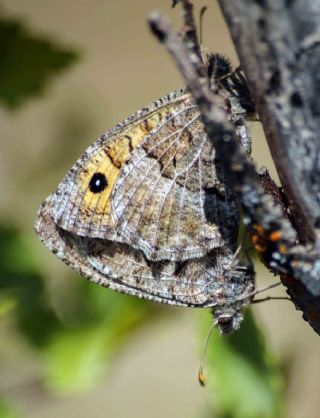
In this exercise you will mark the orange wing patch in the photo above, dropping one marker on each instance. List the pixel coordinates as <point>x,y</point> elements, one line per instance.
<point>94,209</point>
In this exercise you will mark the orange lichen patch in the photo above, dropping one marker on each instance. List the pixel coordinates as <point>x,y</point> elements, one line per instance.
<point>282,249</point>
<point>260,248</point>
<point>258,228</point>
<point>275,236</point>
<point>254,239</point>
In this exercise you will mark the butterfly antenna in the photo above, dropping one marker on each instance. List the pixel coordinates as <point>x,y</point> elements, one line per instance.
<point>255,292</point>
<point>271,298</point>
<point>202,12</point>
<point>201,376</point>
<point>271,286</point>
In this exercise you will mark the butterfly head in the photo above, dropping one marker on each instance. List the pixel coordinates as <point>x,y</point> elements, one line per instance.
<point>236,293</point>
<point>218,66</point>
<point>228,320</point>
<point>222,74</point>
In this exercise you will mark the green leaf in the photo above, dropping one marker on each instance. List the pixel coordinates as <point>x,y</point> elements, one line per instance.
<point>6,410</point>
<point>7,304</point>
<point>22,290</point>
<point>77,358</point>
<point>27,62</point>
<point>78,343</point>
<point>243,376</point>
<point>17,252</point>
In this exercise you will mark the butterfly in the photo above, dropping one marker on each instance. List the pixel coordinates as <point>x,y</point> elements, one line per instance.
<point>146,210</point>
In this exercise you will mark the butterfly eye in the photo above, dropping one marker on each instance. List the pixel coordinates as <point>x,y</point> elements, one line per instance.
<point>98,183</point>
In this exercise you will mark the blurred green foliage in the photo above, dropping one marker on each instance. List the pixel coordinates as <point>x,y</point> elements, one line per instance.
<point>81,354</point>
<point>243,375</point>
<point>77,343</point>
<point>22,288</point>
<point>76,346</point>
<point>27,63</point>
<point>6,410</point>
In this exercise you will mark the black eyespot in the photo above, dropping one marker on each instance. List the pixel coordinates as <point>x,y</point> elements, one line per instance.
<point>98,183</point>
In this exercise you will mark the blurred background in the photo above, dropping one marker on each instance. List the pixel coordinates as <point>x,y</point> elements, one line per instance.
<point>68,72</point>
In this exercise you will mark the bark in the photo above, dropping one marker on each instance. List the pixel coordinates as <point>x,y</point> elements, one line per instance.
<point>276,42</point>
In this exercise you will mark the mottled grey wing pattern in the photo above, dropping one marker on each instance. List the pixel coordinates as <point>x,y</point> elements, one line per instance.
<point>161,197</point>
<point>164,195</point>
<point>204,282</point>
<point>80,210</point>
<point>163,227</point>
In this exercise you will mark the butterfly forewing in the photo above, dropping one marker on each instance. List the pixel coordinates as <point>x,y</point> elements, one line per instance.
<point>86,211</point>
<point>160,174</point>
<point>160,196</point>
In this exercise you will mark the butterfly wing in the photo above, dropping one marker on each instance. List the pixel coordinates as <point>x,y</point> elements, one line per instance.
<point>151,182</point>
<point>197,283</point>
<point>78,207</point>
<point>168,195</point>
<point>85,210</point>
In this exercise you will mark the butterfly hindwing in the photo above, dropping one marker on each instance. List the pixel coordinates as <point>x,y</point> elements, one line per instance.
<point>196,282</point>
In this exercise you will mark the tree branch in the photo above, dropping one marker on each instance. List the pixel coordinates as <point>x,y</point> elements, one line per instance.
<point>278,43</point>
<point>275,238</point>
